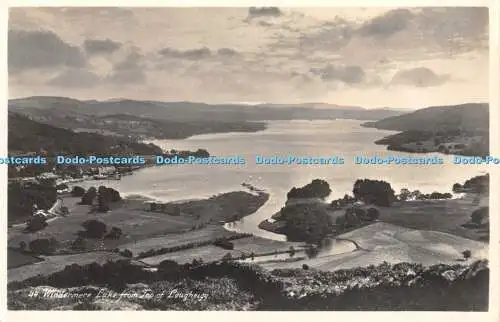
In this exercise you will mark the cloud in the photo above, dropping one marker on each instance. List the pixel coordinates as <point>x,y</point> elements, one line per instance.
<point>227,52</point>
<point>98,46</point>
<point>75,78</point>
<point>419,77</point>
<point>41,49</point>
<point>264,12</point>
<point>198,53</point>
<point>192,54</point>
<point>387,24</point>
<point>345,74</point>
<point>129,70</point>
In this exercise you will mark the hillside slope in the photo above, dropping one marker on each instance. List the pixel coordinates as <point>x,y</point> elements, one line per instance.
<point>27,135</point>
<point>469,117</point>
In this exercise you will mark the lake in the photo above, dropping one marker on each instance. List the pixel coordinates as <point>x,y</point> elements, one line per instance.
<point>344,138</point>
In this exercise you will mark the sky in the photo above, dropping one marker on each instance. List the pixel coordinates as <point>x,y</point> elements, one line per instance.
<point>370,57</point>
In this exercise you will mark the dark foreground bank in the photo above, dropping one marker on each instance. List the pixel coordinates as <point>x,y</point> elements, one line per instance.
<point>227,285</point>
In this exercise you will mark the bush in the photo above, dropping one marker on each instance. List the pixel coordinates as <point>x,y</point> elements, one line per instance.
<point>36,223</point>
<point>311,251</point>
<point>372,214</point>
<point>114,233</point>
<point>224,243</point>
<point>44,246</point>
<point>79,244</point>
<point>94,228</point>
<point>89,196</point>
<point>126,253</point>
<point>479,215</point>
<point>227,257</point>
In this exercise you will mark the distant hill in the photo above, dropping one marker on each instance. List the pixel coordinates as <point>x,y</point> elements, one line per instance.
<point>191,111</point>
<point>27,135</point>
<point>473,117</point>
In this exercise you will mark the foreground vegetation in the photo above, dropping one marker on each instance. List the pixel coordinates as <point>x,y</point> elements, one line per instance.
<point>228,285</point>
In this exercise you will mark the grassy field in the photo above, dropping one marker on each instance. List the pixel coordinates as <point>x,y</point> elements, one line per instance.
<point>207,253</point>
<point>53,264</point>
<point>437,215</point>
<point>135,224</point>
<point>394,244</point>
<point>242,246</point>
<point>16,259</point>
<point>171,240</point>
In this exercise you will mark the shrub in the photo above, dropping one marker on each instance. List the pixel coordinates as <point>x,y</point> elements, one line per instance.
<point>94,228</point>
<point>79,244</point>
<point>311,251</point>
<point>126,253</point>
<point>89,196</point>
<point>372,214</point>
<point>114,233</point>
<point>224,243</point>
<point>36,223</point>
<point>44,246</point>
<point>479,215</point>
<point>227,257</point>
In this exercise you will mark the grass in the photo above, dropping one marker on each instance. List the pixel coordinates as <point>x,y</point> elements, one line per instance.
<point>438,215</point>
<point>172,240</point>
<point>207,253</point>
<point>53,264</point>
<point>16,259</point>
<point>135,224</point>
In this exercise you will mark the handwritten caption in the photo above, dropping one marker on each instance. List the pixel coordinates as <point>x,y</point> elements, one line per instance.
<point>142,294</point>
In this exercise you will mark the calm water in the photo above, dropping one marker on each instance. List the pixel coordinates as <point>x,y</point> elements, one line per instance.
<point>344,138</point>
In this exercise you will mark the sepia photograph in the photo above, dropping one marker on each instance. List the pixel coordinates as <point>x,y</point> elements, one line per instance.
<point>248,159</point>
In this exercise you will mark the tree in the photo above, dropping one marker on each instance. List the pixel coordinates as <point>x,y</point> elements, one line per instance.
<point>94,228</point>
<point>103,199</point>
<point>457,187</point>
<point>404,194</point>
<point>467,254</point>
<point>377,192</point>
<point>292,251</point>
<point>36,223</point>
<point>372,214</point>
<point>45,246</point>
<point>22,246</point>
<point>316,189</point>
<point>479,215</point>
<point>169,268</point>
<point>89,196</point>
<point>311,251</point>
<point>351,218</point>
<point>79,244</point>
<point>305,266</point>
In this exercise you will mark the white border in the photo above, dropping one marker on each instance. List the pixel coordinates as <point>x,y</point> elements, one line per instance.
<point>492,315</point>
